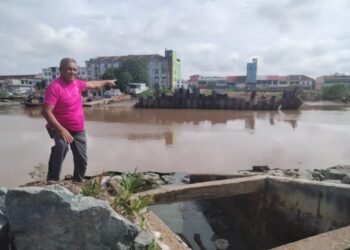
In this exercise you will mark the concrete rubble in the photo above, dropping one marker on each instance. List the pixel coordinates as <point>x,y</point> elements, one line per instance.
<point>336,174</point>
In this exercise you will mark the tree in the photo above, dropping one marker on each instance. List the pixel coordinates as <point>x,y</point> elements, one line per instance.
<point>137,67</point>
<point>40,86</point>
<point>123,80</point>
<point>131,70</point>
<point>335,92</point>
<point>109,74</point>
<point>3,93</point>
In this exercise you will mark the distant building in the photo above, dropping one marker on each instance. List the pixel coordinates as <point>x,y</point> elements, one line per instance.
<point>216,82</point>
<point>302,81</point>
<point>252,71</point>
<point>162,70</point>
<point>173,69</point>
<point>330,80</point>
<point>280,82</point>
<point>268,82</point>
<point>51,73</point>
<point>20,84</point>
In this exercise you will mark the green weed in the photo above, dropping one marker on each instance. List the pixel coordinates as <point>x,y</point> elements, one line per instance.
<point>128,206</point>
<point>152,246</point>
<point>40,172</point>
<point>93,188</point>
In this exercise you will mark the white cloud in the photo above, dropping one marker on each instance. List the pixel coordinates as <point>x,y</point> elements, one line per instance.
<point>212,37</point>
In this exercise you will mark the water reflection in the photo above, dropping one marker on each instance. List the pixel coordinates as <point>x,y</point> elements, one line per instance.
<point>168,136</point>
<point>164,117</point>
<point>34,112</point>
<point>168,117</point>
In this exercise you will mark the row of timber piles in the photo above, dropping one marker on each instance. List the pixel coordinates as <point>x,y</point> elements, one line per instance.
<point>183,99</point>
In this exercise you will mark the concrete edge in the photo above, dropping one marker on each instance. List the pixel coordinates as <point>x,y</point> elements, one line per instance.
<point>333,240</point>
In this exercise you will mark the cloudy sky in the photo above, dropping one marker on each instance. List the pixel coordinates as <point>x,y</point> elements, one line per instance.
<point>211,37</point>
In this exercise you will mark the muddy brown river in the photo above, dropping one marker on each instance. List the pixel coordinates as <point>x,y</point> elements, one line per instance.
<point>196,141</point>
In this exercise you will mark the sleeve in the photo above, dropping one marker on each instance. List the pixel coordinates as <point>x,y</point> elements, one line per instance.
<point>82,85</point>
<point>51,95</point>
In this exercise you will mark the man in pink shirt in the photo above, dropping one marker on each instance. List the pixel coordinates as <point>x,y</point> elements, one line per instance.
<point>63,111</point>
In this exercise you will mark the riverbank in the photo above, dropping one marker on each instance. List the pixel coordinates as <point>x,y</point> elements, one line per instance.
<point>191,223</point>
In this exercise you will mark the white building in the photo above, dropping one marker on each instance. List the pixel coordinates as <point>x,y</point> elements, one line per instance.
<point>276,81</point>
<point>20,84</point>
<point>326,81</point>
<point>162,70</point>
<point>264,82</point>
<point>51,73</point>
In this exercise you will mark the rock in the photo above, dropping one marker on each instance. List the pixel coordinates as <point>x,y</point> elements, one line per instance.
<point>4,232</point>
<point>54,218</point>
<point>337,172</point>
<point>117,178</point>
<point>151,178</point>
<point>168,179</point>
<point>317,175</point>
<point>346,179</point>
<point>276,172</point>
<point>157,234</point>
<point>306,176</point>
<point>68,177</point>
<point>104,181</point>
<point>3,192</point>
<point>291,173</point>
<point>114,183</point>
<point>222,244</point>
<point>260,168</point>
<point>143,240</point>
<point>163,246</point>
<point>152,181</point>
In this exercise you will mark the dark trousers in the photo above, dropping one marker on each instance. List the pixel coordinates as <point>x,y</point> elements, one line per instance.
<point>59,151</point>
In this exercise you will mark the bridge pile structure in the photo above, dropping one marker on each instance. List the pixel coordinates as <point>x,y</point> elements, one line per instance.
<point>184,99</point>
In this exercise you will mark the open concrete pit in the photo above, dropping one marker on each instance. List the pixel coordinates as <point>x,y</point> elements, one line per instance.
<point>256,212</point>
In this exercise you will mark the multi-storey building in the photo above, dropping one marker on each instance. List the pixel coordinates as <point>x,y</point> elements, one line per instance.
<point>252,70</point>
<point>262,82</point>
<point>20,84</point>
<point>324,81</point>
<point>51,73</point>
<point>276,81</point>
<point>162,70</point>
<point>173,65</point>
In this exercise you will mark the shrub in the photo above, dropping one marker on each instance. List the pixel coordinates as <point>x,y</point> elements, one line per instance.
<point>40,172</point>
<point>335,92</point>
<point>124,202</point>
<point>93,188</point>
<point>132,181</point>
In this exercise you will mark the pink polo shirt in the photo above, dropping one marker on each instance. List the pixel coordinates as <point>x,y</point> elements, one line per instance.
<point>67,101</point>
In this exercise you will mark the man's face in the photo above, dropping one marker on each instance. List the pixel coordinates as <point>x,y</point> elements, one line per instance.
<point>69,72</point>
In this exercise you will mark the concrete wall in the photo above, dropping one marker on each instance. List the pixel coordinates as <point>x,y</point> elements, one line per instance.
<point>313,207</point>
<point>288,210</point>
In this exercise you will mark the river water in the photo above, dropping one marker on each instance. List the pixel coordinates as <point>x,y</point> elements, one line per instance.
<point>196,141</point>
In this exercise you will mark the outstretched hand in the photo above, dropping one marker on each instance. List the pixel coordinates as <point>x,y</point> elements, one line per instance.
<point>110,83</point>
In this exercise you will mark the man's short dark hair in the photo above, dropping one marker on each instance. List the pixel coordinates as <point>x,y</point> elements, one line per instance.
<point>66,61</point>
